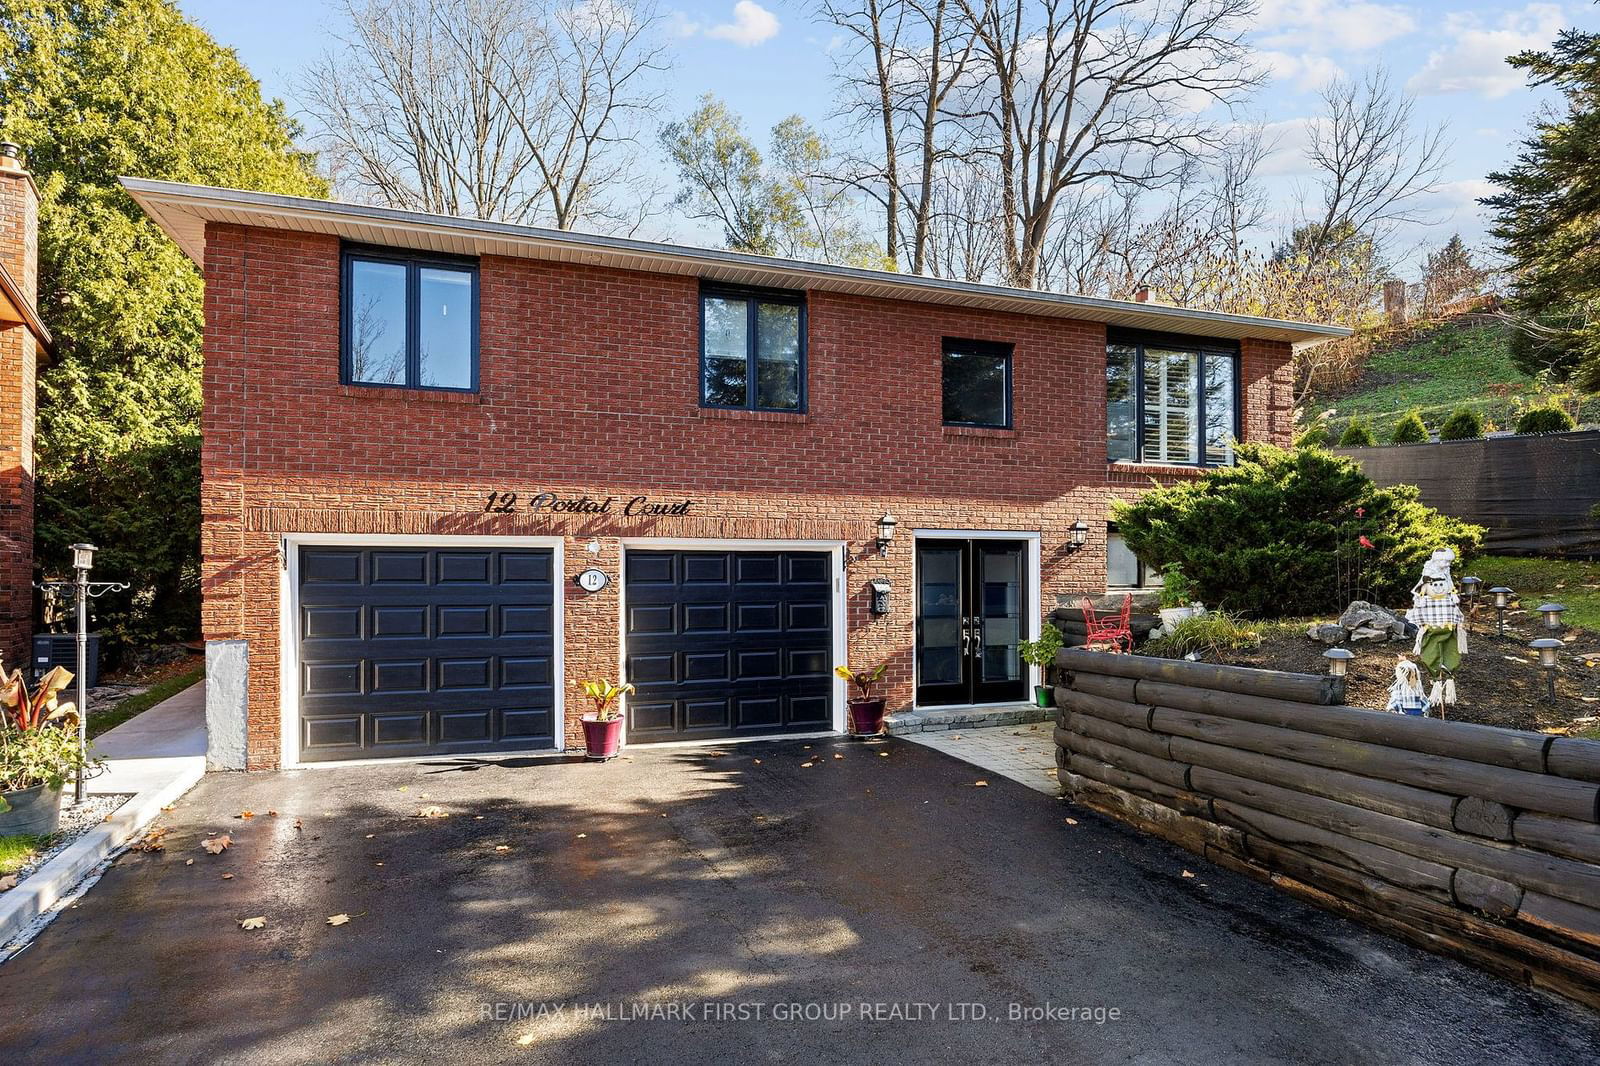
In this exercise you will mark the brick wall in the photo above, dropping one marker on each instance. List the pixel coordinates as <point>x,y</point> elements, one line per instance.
<point>19,352</point>
<point>589,384</point>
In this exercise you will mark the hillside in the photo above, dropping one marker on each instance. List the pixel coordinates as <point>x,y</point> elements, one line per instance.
<point>1463,361</point>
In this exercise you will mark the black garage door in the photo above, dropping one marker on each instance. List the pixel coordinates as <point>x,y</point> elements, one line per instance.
<point>416,651</point>
<point>726,644</point>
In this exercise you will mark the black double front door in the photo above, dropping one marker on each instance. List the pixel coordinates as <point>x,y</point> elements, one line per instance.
<point>971,598</point>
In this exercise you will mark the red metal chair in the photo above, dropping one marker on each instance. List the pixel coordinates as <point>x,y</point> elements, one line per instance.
<point>1115,630</point>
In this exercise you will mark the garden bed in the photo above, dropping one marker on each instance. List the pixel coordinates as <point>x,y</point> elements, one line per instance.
<point>21,856</point>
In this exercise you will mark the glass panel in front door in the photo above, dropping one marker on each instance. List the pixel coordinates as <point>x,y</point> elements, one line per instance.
<point>1002,592</point>
<point>940,616</point>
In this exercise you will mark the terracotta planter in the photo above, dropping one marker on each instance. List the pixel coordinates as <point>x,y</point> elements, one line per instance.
<point>601,739</point>
<point>34,811</point>
<point>866,717</point>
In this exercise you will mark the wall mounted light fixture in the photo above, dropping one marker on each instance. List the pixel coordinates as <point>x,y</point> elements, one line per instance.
<point>1080,534</point>
<point>886,526</point>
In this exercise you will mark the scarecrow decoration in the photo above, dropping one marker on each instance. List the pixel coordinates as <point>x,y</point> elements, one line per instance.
<point>1441,630</point>
<point>1406,695</point>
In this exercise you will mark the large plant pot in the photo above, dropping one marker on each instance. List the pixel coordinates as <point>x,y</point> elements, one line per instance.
<point>34,811</point>
<point>866,717</point>
<point>1044,696</point>
<point>1171,616</point>
<point>601,739</point>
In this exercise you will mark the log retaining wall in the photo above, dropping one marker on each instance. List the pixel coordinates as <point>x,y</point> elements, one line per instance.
<point>1473,841</point>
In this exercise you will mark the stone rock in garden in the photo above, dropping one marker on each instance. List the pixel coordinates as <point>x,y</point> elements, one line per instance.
<point>1327,633</point>
<point>1361,614</point>
<point>1370,635</point>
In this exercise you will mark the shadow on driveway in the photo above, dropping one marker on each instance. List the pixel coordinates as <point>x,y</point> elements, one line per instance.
<point>733,880</point>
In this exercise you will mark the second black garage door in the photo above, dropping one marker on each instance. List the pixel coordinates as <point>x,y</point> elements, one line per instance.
<point>728,643</point>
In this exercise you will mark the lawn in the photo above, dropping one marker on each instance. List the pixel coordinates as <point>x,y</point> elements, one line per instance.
<point>16,851</point>
<point>101,721</point>
<point>1453,366</point>
<point>1573,584</point>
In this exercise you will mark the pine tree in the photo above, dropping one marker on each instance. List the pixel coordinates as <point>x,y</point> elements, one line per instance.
<point>1547,220</point>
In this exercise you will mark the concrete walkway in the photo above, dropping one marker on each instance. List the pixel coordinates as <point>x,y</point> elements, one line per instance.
<point>155,758</point>
<point>1024,753</point>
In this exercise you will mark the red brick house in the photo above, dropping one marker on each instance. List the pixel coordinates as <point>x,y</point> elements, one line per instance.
<point>451,466</point>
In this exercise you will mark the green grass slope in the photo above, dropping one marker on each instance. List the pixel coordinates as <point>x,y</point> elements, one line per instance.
<point>1464,363</point>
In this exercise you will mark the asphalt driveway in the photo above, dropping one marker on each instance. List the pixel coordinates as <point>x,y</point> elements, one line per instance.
<point>789,901</point>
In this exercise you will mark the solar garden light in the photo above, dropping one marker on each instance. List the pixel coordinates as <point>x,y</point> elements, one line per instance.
<point>1338,667</point>
<point>1548,647</point>
<point>1470,590</point>
<point>1552,616</point>
<point>1502,600</point>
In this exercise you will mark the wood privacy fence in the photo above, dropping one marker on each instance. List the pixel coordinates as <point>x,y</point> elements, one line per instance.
<point>1463,839</point>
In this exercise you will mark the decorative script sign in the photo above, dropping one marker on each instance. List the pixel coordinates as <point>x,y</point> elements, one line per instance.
<point>550,503</point>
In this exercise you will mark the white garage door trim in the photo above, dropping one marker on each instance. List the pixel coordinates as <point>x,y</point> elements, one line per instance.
<point>841,627</point>
<point>289,645</point>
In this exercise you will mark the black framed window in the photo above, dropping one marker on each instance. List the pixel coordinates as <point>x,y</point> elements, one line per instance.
<point>977,383</point>
<point>409,321</point>
<point>1171,400</point>
<point>752,350</point>
<point>1124,570</point>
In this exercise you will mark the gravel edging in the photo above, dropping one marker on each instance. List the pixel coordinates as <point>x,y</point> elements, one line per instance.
<point>76,820</point>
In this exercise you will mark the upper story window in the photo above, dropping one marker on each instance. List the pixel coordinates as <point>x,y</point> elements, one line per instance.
<point>977,383</point>
<point>752,350</point>
<point>1171,401</point>
<point>410,321</point>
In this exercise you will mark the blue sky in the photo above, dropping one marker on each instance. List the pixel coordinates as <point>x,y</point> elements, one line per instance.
<point>769,59</point>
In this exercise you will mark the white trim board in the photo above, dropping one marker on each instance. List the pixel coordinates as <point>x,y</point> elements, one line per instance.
<point>288,628</point>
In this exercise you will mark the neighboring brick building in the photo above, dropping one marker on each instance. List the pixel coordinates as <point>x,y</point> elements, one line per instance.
<point>22,339</point>
<point>420,431</point>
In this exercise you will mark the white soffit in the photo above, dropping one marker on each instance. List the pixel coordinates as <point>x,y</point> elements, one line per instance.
<point>183,211</point>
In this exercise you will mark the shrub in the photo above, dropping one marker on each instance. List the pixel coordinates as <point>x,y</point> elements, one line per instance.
<point>1463,424</point>
<point>1358,434</point>
<point>1212,633</point>
<point>1042,652</point>
<point>1545,420</point>
<point>1316,436</point>
<point>1176,589</point>
<point>1409,430</point>
<point>1268,536</point>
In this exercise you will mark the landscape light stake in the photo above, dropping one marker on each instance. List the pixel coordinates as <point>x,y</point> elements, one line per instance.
<point>1469,591</point>
<point>1552,616</point>
<point>1338,667</point>
<point>1548,647</point>
<point>1502,600</point>
<point>83,590</point>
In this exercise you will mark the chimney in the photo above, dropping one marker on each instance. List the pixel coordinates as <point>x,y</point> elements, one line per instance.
<point>21,335</point>
<point>1141,294</point>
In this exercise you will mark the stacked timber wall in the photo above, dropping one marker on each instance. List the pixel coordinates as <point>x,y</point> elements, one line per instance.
<point>1464,839</point>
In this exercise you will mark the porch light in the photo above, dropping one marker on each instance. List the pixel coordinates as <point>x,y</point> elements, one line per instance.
<point>1080,534</point>
<point>1338,661</point>
<point>886,526</point>
<point>1552,616</point>
<point>83,557</point>
<point>1548,647</point>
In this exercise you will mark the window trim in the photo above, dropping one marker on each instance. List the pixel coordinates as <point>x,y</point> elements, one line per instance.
<point>1205,347</point>
<point>1003,349</point>
<point>752,297</point>
<point>414,263</point>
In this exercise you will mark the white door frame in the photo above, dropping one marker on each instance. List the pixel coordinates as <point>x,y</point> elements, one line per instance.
<point>289,630</point>
<point>841,620</point>
<point>1031,621</point>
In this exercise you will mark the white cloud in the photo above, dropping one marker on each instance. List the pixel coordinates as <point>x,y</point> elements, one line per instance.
<point>681,25</point>
<point>752,25</point>
<point>1289,139</point>
<point>1331,25</point>
<point>1475,60</point>
<point>1305,72</point>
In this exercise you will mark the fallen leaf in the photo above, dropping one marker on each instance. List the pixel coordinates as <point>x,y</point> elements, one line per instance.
<point>980,784</point>
<point>227,877</point>
<point>883,755</point>
<point>338,919</point>
<point>245,814</point>
<point>582,835</point>
<point>371,835</point>
<point>807,747</point>
<point>188,862</point>
<point>258,922</point>
<point>838,756</point>
<point>1186,873</point>
<point>502,847</point>
<point>272,814</point>
<point>152,840</point>
<point>477,817</point>
<point>758,762</point>
<point>805,766</point>
<point>218,844</point>
<point>433,812</point>
<point>1072,821</point>
<point>297,823</point>
<point>168,807</point>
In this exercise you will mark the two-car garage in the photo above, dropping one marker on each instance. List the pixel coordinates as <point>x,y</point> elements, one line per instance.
<point>438,648</point>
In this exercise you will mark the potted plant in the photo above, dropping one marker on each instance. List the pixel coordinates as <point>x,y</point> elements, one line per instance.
<point>38,752</point>
<point>1177,597</point>
<point>602,727</point>
<point>866,713</point>
<point>1042,653</point>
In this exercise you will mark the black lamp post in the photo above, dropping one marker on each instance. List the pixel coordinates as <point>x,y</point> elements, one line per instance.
<point>83,590</point>
<point>1502,600</point>
<point>1548,647</point>
<point>1470,588</point>
<point>1552,616</point>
